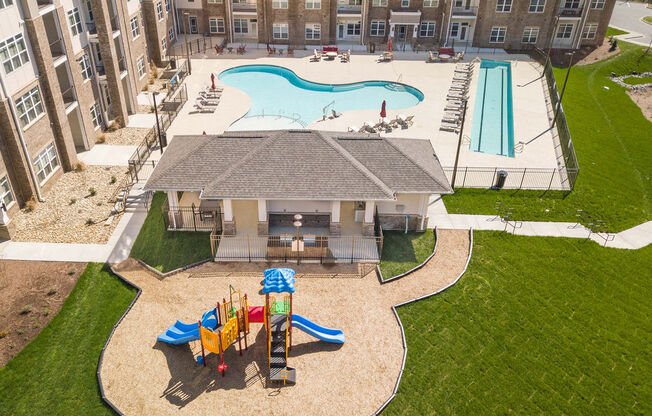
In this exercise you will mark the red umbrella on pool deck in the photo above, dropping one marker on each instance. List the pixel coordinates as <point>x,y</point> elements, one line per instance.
<point>383,110</point>
<point>389,44</point>
<point>212,81</point>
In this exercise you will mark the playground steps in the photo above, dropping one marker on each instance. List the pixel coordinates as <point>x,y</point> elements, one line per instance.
<point>275,375</point>
<point>277,360</point>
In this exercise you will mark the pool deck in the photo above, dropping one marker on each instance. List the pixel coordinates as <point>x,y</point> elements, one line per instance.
<point>532,113</point>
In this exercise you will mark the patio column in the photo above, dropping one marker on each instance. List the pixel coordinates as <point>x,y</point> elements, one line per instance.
<point>335,227</point>
<point>368,224</point>
<point>229,222</point>
<point>263,225</point>
<point>173,203</point>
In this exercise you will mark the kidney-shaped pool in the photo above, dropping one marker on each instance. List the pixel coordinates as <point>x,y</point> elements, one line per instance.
<point>277,91</point>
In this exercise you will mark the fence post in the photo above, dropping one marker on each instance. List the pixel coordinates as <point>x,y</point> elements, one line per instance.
<point>352,247</point>
<point>464,180</point>
<point>248,248</point>
<point>551,178</point>
<point>493,179</point>
<point>194,220</point>
<point>522,178</point>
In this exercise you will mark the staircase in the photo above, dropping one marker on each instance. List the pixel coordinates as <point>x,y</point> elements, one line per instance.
<point>278,351</point>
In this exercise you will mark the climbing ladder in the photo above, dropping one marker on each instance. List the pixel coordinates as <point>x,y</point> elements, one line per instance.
<point>277,350</point>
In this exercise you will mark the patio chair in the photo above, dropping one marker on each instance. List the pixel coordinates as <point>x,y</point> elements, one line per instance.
<point>407,122</point>
<point>205,108</point>
<point>432,57</point>
<point>449,127</point>
<point>450,119</point>
<point>290,51</point>
<point>335,113</point>
<point>354,129</point>
<point>368,127</point>
<point>241,49</point>
<point>456,58</point>
<point>316,57</point>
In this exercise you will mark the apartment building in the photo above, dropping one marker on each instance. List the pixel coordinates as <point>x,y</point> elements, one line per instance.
<point>68,67</point>
<point>506,24</point>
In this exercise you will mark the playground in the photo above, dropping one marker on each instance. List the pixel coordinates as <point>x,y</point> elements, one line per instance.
<point>141,375</point>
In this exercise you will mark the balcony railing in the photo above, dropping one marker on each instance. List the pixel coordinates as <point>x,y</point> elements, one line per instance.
<point>570,11</point>
<point>57,48</point>
<point>349,8</point>
<point>115,23</point>
<point>69,96</point>
<point>122,64</point>
<point>191,218</point>
<point>44,3</point>
<point>99,69</point>
<point>465,11</point>
<point>92,28</point>
<point>244,6</point>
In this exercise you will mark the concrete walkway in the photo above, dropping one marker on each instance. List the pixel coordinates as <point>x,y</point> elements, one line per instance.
<point>627,16</point>
<point>142,121</point>
<point>107,155</point>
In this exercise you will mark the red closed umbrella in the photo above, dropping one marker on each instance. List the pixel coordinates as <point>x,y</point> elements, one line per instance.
<point>383,110</point>
<point>212,81</point>
<point>389,44</point>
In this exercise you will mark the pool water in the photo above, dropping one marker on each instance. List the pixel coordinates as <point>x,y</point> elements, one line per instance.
<point>277,91</point>
<point>492,131</point>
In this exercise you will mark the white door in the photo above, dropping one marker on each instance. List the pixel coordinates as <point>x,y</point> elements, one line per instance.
<point>340,31</point>
<point>192,22</point>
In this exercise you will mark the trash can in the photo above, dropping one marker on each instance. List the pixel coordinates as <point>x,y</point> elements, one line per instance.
<point>164,139</point>
<point>173,63</point>
<point>372,47</point>
<point>501,176</point>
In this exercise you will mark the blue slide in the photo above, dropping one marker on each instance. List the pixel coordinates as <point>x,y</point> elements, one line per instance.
<point>182,333</point>
<point>325,334</point>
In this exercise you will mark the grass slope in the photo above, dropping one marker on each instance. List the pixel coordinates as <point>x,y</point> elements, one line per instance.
<point>55,373</point>
<point>613,142</point>
<point>525,335</point>
<point>638,80</point>
<point>168,250</point>
<point>614,32</point>
<point>402,252</point>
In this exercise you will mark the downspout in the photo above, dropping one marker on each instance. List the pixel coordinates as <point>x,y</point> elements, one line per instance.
<point>363,29</point>
<point>19,129</point>
<point>441,26</point>
<point>231,28</point>
<point>586,9</point>
<point>176,21</point>
<point>448,27</point>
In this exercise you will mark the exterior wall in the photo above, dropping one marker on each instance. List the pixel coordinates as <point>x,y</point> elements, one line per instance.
<point>135,48</point>
<point>299,206</point>
<point>157,30</point>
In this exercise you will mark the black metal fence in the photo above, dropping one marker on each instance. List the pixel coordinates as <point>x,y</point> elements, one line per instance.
<point>200,45</point>
<point>191,218</point>
<point>508,178</point>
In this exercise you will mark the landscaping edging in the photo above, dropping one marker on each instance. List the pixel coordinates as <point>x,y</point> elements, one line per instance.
<point>172,272</point>
<point>99,363</point>
<point>400,324</point>
<point>414,269</point>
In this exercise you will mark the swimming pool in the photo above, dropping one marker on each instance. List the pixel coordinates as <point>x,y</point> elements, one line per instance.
<point>277,91</point>
<point>493,119</point>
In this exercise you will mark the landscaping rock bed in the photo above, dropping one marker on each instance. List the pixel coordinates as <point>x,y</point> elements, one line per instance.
<point>71,214</point>
<point>621,81</point>
<point>643,98</point>
<point>125,136</point>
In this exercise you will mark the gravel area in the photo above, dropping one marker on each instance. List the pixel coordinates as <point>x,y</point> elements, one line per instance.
<point>643,98</point>
<point>125,136</point>
<point>142,376</point>
<point>62,218</point>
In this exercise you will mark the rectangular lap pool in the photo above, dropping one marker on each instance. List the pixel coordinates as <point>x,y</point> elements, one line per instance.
<point>493,119</point>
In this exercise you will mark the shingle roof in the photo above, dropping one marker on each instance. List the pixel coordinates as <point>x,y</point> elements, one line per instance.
<point>299,164</point>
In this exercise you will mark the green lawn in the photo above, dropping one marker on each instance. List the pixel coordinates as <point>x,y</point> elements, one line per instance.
<point>55,373</point>
<point>613,142</point>
<point>615,32</point>
<point>648,19</point>
<point>401,251</point>
<point>168,250</point>
<point>637,80</point>
<point>536,326</point>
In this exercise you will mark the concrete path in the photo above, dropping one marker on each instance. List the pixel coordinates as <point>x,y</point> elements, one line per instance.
<point>107,155</point>
<point>627,16</point>
<point>141,121</point>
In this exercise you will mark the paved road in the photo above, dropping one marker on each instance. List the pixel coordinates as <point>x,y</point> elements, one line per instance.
<point>627,16</point>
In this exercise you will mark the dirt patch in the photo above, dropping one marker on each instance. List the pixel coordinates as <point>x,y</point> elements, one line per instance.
<point>643,98</point>
<point>126,136</point>
<point>71,213</point>
<point>586,57</point>
<point>32,294</point>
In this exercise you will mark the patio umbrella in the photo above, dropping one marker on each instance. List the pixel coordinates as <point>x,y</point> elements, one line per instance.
<point>383,110</point>
<point>212,81</point>
<point>389,44</point>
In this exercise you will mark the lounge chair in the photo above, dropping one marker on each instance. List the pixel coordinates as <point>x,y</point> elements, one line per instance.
<point>407,122</point>
<point>316,57</point>
<point>386,56</point>
<point>448,119</point>
<point>355,129</point>
<point>449,127</point>
<point>205,108</point>
<point>432,57</point>
<point>368,127</point>
<point>335,114</point>
<point>459,87</point>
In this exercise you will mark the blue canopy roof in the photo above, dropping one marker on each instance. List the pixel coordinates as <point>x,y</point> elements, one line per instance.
<point>278,280</point>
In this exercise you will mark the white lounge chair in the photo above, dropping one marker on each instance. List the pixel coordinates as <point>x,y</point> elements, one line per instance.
<point>432,56</point>
<point>449,127</point>
<point>369,127</point>
<point>316,57</point>
<point>335,113</point>
<point>354,129</point>
<point>205,108</point>
<point>405,122</point>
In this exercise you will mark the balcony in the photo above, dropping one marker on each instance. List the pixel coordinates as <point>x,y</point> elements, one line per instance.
<point>465,11</point>
<point>58,49</point>
<point>349,9</point>
<point>92,28</point>
<point>244,6</point>
<point>115,23</point>
<point>69,99</point>
<point>570,11</point>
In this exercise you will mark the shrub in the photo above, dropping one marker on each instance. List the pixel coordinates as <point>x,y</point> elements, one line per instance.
<point>3,334</point>
<point>46,312</point>
<point>80,167</point>
<point>90,221</point>
<point>72,271</point>
<point>114,179</point>
<point>154,70</point>
<point>151,81</point>
<point>26,309</point>
<point>92,191</point>
<point>113,127</point>
<point>20,332</point>
<point>72,201</point>
<point>52,291</point>
<point>31,204</point>
<point>12,346</point>
<point>100,139</point>
<point>36,325</point>
<point>145,88</point>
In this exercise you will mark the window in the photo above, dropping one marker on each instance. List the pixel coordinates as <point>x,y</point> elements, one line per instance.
<point>216,25</point>
<point>571,4</point>
<point>353,29</point>
<point>589,31</point>
<point>377,28</point>
<point>74,21</point>
<point>89,9</point>
<point>218,1</point>
<point>46,162</point>
<point>597,4</point>
<point>107,96</point>
<point>85,65</point>
<point>427,30</point>
<point>565,31</point>
<point>167,5</point>
<point>313,4</point>
<point>5,190</point>
<point>313,31</point>
<point>405,3</point>
<point>159,10</point>
<point>164,44</point>
<point>430,3</point>
<point>497,34</point>
<point>6,3</point>
<point>13,53</point>
<point>96,116</point>
<point>135,27</point>
<point>281,30</point>
<point>29,106</point>
<point>504,6</point>
<point>537,6</point>
<point>240,26</point>
<point>279,4</point>
<point>171,34</point>
<point>379,3</point>
<point>530,35</point>
<point>140,63</point>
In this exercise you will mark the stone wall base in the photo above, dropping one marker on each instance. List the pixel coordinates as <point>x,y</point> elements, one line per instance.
<point>335,228</point>
<point>229,228</point>
<point>368,228</point>
<point>263,228</point>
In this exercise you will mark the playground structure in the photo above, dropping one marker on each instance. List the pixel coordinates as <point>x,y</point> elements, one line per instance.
<point>229,321</point>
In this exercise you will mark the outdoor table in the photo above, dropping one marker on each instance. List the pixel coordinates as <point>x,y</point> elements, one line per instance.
<point>444,57</point>
<point>230,49</point>
<point>331,55</point>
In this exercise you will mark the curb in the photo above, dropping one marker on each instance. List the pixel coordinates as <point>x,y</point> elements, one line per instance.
<point>414,269</point>
<point>400,324</point>
<point>99,363</point>
<point>175,271</point>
